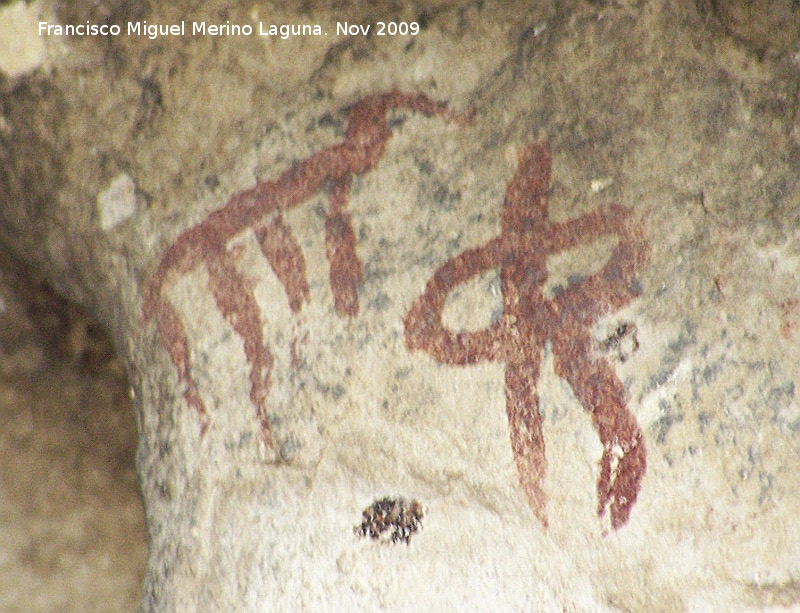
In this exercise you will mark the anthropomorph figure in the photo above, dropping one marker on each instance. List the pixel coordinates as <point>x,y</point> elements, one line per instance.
<point>529,319</point>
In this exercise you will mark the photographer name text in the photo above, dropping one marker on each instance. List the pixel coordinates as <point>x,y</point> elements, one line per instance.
<point>202,28</point>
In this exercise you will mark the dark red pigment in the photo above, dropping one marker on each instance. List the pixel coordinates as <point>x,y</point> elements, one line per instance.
<point>260,210</point>
<point>520,252</point>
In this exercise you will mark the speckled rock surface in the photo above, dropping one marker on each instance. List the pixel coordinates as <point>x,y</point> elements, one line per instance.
<point>554,322</point>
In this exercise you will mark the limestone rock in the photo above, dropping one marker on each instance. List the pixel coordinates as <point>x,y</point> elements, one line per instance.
<point>527,279</point>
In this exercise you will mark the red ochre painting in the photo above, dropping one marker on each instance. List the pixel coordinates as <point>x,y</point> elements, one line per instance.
<point>259,209</point>
<point>519,252</point>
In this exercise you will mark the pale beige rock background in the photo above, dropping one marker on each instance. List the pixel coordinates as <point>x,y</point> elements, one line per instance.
<point>687,112</point>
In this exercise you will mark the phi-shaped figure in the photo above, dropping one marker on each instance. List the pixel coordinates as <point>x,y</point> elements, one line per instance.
<point>529,319</point>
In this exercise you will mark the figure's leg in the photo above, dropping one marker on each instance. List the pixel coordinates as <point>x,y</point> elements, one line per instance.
<point>236,301</point>
<point>525,428</point>
<point>598,389</point>
<point>173,337</point>
<point>286,259</point>
<point>347,272</point>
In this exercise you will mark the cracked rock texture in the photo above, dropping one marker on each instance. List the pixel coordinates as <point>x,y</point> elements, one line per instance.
<point>120,156</point>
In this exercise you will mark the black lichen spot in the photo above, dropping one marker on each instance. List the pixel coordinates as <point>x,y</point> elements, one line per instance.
<point>424,20</point>
<point>391,519</point>
<point>669,416</point>
<point>151,103</point>
<point>623,341</point>
<point>574,280</point>
<point>151,95</point>
<point>425,167</point>
<point>328,121</point>
<point>337,391</point>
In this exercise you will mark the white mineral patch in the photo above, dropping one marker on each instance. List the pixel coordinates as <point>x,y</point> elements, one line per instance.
<point>21,48</point>
<point>117,203</point>
<point>598,185</point>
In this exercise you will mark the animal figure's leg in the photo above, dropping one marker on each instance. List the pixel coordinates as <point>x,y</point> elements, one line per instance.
<point>286,259</point>
<point>346,272</point>
<point>598,389</point>
<point>525,428</point>
<point>236,301</point>
<point>173,337</point>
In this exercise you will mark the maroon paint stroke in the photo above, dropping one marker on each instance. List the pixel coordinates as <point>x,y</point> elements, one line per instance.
<point>520,252</point>
<point>260,209</point>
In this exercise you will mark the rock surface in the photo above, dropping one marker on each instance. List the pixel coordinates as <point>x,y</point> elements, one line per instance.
<point>72,531</point>
<point>554,322</point>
